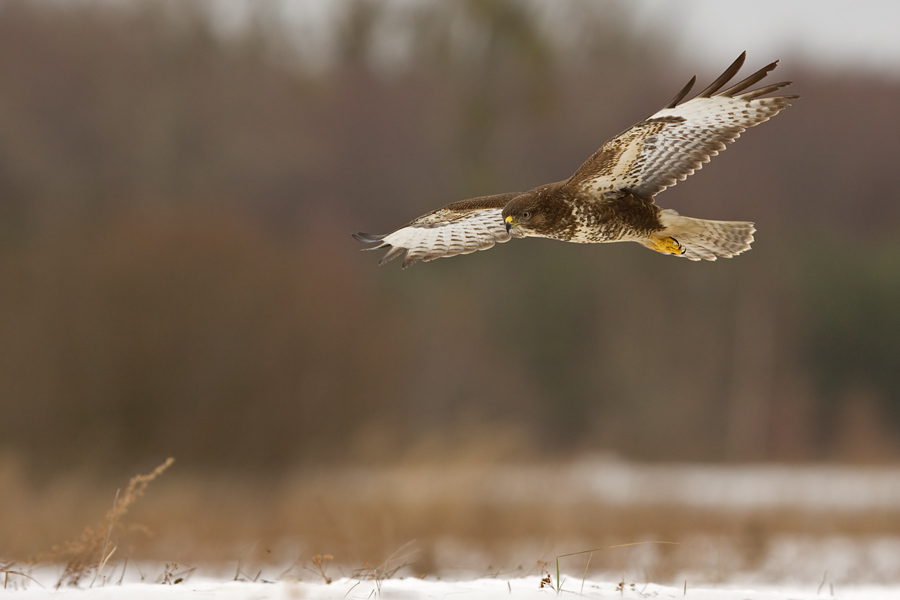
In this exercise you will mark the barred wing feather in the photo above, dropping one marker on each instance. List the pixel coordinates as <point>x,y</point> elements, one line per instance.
<point>459,228</point>
<point>677,140</point>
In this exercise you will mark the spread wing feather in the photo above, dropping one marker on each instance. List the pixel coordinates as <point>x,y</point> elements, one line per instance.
<point>458,228</point>
<point>677,140</point>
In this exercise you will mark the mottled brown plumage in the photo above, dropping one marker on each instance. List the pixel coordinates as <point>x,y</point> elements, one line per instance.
<point>610,198</point>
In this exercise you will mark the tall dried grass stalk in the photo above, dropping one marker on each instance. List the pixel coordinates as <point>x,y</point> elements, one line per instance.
<point>96,545</point>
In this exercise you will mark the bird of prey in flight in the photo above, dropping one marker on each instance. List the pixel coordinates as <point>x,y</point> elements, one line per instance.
<point>610,198</point>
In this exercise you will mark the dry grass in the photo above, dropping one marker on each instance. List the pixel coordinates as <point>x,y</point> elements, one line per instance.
<point>92,551</point>
<point>418,520</point>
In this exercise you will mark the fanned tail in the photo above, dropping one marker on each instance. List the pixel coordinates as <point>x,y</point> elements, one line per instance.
<point>702,239</point>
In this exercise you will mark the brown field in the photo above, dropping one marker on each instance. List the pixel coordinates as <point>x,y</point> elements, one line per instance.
<point>434,519</point>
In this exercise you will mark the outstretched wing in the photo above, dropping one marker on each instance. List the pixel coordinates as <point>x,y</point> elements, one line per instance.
<point>676,141</point>
<point>459,228</point>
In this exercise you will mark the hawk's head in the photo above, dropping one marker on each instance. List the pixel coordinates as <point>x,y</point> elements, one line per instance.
<point>533,213</point>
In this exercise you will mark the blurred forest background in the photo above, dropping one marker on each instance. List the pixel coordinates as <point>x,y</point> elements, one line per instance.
<point>177,275</point>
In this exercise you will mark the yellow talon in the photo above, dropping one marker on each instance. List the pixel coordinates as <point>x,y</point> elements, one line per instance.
<point>666,245</point>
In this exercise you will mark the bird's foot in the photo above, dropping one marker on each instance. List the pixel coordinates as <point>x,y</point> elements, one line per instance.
<point>666,245</point>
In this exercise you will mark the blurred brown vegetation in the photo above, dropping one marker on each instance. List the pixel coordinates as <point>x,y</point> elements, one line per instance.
<point>177,275</point>
<point>463,520</point>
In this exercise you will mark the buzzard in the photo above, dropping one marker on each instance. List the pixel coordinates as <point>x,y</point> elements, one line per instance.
<point>610,198</point>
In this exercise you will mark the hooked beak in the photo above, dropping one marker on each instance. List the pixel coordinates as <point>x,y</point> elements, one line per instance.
<point>509,223</point>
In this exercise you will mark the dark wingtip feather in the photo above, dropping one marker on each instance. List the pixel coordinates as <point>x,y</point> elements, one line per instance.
<point>751,80</point>
<point>724,77</point>
<point>752,94</point>
<point>391,254</point>
<point>680,95</point>
<point>368,238</point>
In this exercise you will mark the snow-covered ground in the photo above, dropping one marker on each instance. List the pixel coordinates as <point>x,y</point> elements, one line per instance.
<point>787,562</point>
<point>752,486</point>
<point>475,589</point>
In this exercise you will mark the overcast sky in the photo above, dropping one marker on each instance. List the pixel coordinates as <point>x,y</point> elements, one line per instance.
<point>845,34</point>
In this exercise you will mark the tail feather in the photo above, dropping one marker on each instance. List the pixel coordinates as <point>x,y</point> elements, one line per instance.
<point>702,239</point>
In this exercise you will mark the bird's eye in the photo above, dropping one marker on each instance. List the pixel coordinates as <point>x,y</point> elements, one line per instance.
<point>526,214</point>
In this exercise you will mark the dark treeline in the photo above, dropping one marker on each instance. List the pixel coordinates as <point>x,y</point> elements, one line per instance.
<point>177,275</point>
